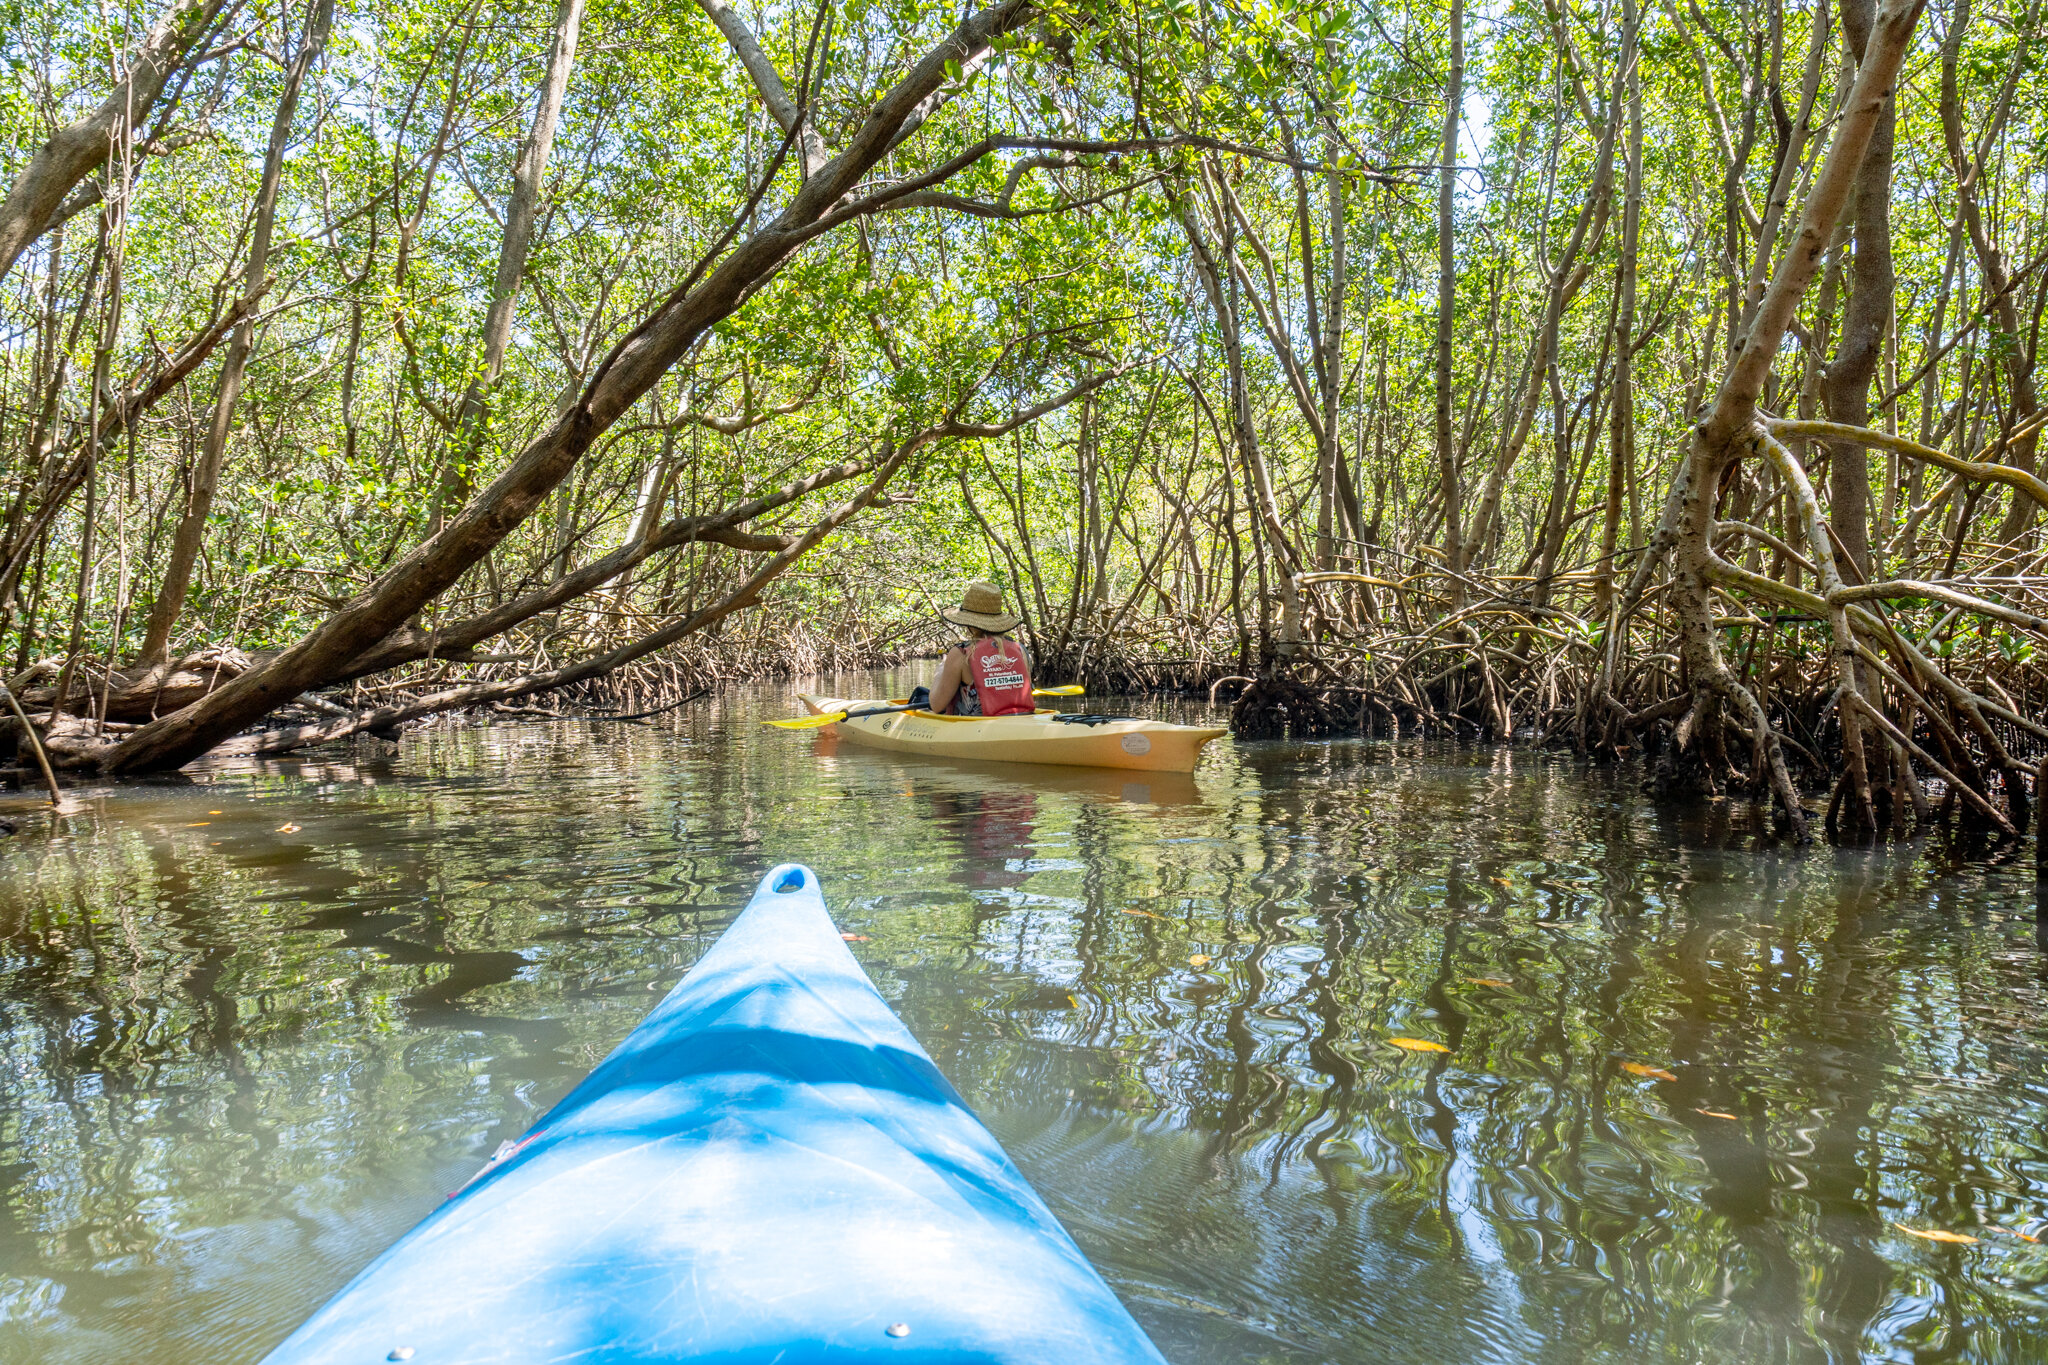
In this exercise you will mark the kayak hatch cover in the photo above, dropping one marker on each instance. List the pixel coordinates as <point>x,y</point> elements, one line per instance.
<point>768,1169</point>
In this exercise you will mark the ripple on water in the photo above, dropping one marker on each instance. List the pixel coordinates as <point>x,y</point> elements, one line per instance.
<point>239,1060</point>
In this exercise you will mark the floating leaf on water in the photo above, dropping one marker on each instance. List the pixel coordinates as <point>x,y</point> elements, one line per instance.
<point>216,812</point>
<point>1655,1073</point>
<point>2015,1232</point>
<point>1715,1114</point>
<point>1502,881</point>
<point>1937,1235</point>
<point>1072,1003</point>
<point>855,938</point>
<point>1417,1045</point>
<point>1146,913</point>
<point>197,823</point>
<point>1494,981</point>
<point>289,828</point>
<point>1199,960</point>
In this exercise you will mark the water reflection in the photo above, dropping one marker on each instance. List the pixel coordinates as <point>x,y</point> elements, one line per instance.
<point>238,1057</point>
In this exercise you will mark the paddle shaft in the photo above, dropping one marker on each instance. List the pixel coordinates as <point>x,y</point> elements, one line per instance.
<point>834,717</point>
<point>880,711</point>
<point>914,706</point>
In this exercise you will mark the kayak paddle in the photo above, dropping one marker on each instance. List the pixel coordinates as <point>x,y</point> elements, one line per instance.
<point>825,718</point>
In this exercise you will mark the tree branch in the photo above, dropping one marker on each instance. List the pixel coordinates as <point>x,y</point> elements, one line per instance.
<point>767,82</point>
<point>2027,483</point>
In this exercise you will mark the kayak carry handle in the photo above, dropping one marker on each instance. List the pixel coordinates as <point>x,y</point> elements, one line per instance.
<point>792,880</point>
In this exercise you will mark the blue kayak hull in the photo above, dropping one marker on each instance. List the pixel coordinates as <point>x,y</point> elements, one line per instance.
<point>768,1169</point>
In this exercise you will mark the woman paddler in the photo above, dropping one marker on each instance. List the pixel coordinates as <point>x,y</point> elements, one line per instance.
<point>987,674</point>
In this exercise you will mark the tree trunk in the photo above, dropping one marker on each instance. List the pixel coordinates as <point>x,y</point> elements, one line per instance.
<point>1210,266</point>
<point>1998,283</point>
<point>521,210</point>
<point>1332,487</point>
<point>1566,277</point>
<point>1732,429</point>
<point>1865,320</point>
<point>170,599</point>
<point>1447,287</point>
<point>1622,447</point>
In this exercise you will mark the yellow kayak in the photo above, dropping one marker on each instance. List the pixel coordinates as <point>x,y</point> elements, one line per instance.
<point>1041,737</point>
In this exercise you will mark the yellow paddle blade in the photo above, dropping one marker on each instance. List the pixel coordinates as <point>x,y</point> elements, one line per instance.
<point>810,722</point>
<point>1072,690</point>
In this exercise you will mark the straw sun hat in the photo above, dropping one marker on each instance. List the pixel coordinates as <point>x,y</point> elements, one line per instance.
<point>981,607</point>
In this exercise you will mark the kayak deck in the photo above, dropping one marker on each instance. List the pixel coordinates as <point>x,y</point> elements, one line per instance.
<point>1041,737</point>
<point>768,1169</point>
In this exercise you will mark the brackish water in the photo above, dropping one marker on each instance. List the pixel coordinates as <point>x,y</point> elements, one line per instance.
<point>237,1060</point>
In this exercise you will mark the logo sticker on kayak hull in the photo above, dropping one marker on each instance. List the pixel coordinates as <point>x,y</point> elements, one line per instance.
<point>1137,744</point>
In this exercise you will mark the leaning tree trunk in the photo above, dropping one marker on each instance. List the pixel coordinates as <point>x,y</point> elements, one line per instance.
<point>627,373</point>
<point>78,149</point>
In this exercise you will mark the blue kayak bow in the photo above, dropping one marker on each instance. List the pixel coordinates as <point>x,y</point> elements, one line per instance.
<point>768,1169</point>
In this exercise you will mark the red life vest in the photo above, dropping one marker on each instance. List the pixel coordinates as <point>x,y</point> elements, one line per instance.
<point>1001,677</point>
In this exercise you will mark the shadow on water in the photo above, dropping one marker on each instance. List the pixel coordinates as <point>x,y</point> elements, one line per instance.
<point>1695,1084</point>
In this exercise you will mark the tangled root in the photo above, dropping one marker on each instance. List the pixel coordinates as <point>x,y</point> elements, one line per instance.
<point>1280,708</point>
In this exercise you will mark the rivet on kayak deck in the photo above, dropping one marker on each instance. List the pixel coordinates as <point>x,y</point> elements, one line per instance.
<point>898,1329</point>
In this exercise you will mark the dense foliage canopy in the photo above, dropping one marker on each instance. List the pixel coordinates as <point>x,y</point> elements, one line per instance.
<point>477,348</point>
